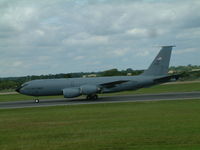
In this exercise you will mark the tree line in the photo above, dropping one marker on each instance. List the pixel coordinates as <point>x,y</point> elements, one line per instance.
<point>190,72</point>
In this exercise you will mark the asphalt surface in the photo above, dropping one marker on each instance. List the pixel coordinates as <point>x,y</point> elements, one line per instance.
<point>104,99</point>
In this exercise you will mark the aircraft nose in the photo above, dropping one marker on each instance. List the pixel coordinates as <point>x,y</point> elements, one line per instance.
<point>18,89</point>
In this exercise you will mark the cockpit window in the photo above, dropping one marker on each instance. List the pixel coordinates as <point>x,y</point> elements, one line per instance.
<point>25,84</point>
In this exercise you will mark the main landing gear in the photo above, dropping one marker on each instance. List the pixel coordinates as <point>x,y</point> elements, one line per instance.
<point>92,97</point>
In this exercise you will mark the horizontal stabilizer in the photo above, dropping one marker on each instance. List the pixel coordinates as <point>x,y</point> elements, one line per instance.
<point>167,78</point>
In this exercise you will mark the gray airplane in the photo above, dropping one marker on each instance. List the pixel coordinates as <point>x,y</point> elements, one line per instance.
<point>157,73</point>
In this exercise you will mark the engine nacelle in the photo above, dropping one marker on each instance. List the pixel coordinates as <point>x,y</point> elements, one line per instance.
<point>71,92</point>
<point>89,89</point>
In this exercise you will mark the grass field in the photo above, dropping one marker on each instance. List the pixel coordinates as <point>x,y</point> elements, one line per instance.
<point>160,125</point>
<point>179,87</point>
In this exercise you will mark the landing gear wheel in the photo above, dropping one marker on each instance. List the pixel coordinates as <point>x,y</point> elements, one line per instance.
<point>37,100</point>
<point>92,97</point>
<point>88,97</point>
<point>95,97</point>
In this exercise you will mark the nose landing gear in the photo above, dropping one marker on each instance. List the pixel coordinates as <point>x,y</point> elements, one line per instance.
<point>37,100</point>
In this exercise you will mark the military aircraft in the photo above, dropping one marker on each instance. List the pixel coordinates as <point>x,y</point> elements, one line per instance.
<point>157,73</point>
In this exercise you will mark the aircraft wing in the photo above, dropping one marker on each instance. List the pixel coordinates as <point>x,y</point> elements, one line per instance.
<point>113,84</point>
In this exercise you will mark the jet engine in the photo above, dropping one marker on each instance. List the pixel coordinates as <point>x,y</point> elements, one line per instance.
<point>82,90</point>
<point>71,92</point>
<point>89,89</point>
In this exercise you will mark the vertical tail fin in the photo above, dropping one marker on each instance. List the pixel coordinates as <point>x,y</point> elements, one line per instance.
<point>160,65</point>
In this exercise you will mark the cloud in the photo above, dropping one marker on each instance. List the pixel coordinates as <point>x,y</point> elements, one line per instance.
<point>187,50</point>
<point>117,52</point>
<point>143,53</point>
<point>79,57</point>
<point>85,39</point>
<point>17,63</point>
<point>41,37</point>
<point>144,33</point>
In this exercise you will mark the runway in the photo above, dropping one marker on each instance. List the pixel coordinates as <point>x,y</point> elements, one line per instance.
<point>103,99</point>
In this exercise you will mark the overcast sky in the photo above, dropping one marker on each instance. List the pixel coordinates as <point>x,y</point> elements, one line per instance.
<point>62,36</point>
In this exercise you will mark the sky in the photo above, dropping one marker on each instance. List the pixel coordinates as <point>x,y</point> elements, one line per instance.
<point>63,36</point>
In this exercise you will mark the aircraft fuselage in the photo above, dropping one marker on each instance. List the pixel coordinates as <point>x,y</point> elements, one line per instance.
<point>55,86</point>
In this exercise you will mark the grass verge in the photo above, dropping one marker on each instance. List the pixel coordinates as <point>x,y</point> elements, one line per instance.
<point>156,125</point>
